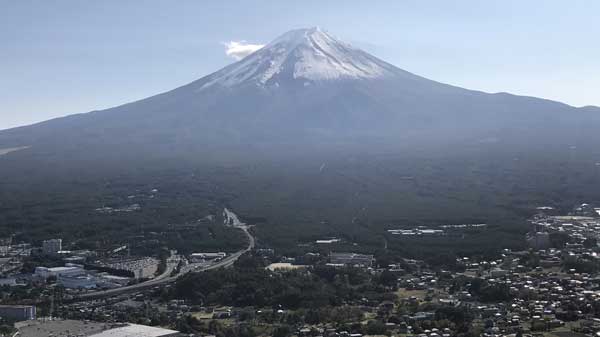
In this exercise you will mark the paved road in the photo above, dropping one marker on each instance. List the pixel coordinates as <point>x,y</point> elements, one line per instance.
<point>165,277</point>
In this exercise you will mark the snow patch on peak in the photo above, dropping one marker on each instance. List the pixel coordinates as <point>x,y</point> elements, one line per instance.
<point>325,58</point>
<point>295,37</point>
<point>302,54</point>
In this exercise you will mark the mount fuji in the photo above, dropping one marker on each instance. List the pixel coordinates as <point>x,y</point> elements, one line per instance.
<point>303,55</point>
<point>306,91</point>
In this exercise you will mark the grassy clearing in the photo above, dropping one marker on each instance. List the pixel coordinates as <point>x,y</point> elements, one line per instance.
<point>405,293</point>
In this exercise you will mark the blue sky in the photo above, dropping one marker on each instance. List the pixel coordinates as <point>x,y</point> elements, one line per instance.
<point>63,57</point>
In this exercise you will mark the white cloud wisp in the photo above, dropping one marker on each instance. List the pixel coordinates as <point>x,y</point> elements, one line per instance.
<point>240,49</point>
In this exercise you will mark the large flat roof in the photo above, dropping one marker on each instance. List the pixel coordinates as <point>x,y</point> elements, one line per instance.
<point>59,328</point>
<point>64,328</point>
<point>59,269</point>
<point>134,330</point>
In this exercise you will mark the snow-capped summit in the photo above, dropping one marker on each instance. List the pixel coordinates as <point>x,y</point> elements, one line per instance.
<point>302,54</point>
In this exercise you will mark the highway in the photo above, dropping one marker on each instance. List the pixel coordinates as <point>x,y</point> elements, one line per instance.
<point>166,277</point>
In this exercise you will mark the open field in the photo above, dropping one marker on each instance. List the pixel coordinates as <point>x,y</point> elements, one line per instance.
<point>405,293</point>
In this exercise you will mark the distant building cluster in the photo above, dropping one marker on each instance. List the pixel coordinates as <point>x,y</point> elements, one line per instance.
<point>581,224</point>
<point>437,231</point>
<point>124,209</point>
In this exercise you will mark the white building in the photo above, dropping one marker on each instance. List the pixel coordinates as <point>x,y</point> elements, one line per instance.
<point>52,246</point>
<point>44,272</point>
<point>208,256</point>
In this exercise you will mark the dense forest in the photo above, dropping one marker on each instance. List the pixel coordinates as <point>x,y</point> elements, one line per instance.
<point>292,202</point>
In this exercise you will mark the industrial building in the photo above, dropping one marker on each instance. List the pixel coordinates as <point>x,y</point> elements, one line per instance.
<point>17,312</point>
<point>69,270</point>
<point>74,276</point>
<point>77,281</point>
<point>139,268</point>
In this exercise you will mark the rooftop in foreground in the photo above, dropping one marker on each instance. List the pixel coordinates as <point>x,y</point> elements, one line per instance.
<point>134,330</point>
<point>64,328</point>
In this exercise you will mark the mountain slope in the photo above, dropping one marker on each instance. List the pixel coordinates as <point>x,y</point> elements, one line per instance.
<point>307,89</point>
